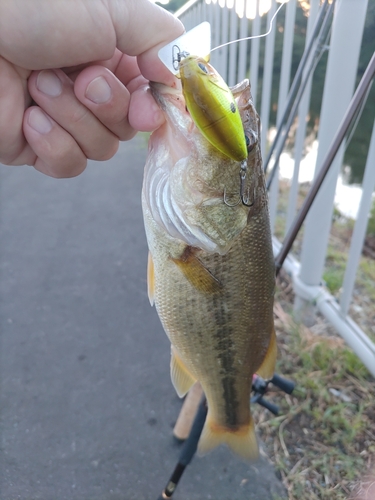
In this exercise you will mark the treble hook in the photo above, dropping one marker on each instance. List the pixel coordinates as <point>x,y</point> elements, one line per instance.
<point>241,198</point>
<point>231,205</point>
<point>243,173</point>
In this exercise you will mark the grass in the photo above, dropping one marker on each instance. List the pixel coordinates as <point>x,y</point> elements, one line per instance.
<point>371,221</point>
<point>324,439</point>
<point>323,442</point>
<point>335,266</point>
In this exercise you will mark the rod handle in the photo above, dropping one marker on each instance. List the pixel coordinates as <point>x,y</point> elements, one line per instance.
<point>283,383</point>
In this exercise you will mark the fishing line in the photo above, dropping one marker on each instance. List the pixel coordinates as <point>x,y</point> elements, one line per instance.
<point>253,37</point>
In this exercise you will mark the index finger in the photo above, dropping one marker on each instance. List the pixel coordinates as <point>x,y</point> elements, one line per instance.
<point>148,28</point>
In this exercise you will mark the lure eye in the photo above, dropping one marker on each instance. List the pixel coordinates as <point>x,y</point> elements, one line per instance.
<point>203,67</point>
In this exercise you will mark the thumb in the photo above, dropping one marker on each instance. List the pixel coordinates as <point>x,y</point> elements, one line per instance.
<point>65,34</point>
<point>142,28</point>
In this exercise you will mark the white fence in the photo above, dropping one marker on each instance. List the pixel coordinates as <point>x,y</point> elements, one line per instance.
<point>233,19</point>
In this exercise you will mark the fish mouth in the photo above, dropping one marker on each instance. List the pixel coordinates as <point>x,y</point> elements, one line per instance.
<point>160,89</point>
<point>164,94</point>
<point>178,126</point>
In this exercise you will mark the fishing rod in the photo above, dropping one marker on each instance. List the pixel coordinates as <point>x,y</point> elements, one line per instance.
<point>259,388</point>
<point>354,105</point>
<point>319,35</point>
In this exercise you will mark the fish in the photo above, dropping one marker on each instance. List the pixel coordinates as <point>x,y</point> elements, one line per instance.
<point>211,272</point>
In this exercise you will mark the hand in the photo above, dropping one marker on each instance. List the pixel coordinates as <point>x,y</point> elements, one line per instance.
<point>58,104</point>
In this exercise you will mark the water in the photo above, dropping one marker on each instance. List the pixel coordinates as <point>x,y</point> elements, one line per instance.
<point>347,197</point>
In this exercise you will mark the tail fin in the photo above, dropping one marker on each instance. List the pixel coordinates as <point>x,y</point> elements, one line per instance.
<point>242,441</point>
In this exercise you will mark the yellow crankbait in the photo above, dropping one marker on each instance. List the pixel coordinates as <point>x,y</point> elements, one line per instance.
<point>212,107</point>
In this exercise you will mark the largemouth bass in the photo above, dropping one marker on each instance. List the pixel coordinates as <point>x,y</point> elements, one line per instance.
<point>211,269</point>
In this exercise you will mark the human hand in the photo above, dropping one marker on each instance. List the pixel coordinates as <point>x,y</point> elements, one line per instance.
<point>58,104</point>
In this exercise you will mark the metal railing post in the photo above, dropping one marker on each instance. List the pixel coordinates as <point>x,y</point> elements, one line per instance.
<point>286,64</point>
<point>224,38</point>
<point>217,37</point>
<point>343,57</point>
<point>242,48</point>
<point>233,35</point>
<point>360,227</point>
<point>302,123</point>
<point>267,80</point>
<point>254,54</point>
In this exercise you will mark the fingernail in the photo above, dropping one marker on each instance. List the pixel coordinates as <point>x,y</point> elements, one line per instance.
<point>48,83</point>
<point>39,121</point>
<point>98,91</point>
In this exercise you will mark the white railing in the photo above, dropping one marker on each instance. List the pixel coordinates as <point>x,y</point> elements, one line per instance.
<point>233,19</point>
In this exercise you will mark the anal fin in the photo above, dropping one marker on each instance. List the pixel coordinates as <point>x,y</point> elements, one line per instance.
<point>267,368</point>
<point>182,379</point>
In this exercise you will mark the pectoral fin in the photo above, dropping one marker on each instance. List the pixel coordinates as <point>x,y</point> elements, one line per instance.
<point>267,368</point>
<point>196,273</point>
<point>150,279</point>
<point>182,379</point>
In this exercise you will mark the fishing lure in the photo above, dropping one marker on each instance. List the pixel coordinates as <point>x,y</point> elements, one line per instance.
<point>212,107</point>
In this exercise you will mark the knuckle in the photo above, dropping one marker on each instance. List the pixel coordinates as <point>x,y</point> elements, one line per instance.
<point>66,161</point>
<point>79,116</point>
<point>127,134</point>
<point>105,151</point>
<point>123,130</point>
<point>69,169</point>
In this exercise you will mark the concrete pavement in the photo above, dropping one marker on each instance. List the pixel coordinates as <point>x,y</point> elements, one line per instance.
<point>87,406</point>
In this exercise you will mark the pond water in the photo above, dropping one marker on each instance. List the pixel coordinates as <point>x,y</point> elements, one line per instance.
<point>347,197</point>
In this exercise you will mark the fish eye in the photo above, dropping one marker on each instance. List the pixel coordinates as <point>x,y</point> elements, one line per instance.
<point>249,145</point>
<point>203,67</point>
